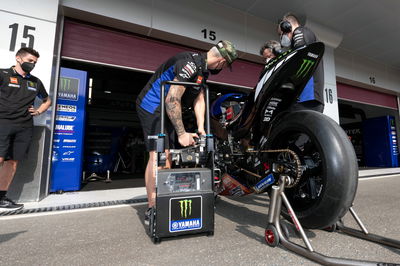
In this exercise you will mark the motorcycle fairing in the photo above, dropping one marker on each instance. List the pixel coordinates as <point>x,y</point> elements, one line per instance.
<point>279,86</point>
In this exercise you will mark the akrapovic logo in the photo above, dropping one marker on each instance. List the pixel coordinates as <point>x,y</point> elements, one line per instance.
<point>304,68</point>
<point>186,208</point>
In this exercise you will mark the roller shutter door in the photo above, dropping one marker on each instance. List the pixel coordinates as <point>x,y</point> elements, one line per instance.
<point>357,94</point>
<point>101,45</point>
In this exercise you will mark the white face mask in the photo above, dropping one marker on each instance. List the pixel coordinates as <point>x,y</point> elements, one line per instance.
<point>285,40</point>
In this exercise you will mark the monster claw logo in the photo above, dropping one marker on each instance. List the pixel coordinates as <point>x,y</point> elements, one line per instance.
<point>186,207</point>
<point>68,88</point>
<point>185,213</point>
<point>304,68</point>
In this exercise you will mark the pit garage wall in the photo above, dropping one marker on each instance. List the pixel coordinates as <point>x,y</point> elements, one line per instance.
<point>193,23</point>
<point>31,24</point>
<point>362,72</point>
<point>199,24</point>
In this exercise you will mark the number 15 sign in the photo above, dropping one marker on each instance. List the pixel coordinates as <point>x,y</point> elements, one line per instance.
<point>18,31</point>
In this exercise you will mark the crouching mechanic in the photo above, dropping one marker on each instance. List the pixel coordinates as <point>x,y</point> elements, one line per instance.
<point>184,67</point>
<point>18,90</point>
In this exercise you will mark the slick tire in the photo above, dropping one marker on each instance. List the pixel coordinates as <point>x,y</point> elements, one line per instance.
<point>328,185</point>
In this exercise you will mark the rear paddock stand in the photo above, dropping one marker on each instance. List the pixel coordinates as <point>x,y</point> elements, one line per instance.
<point>274,234</point>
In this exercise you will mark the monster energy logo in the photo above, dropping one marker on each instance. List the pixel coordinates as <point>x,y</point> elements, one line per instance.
<point>68,88</point>
<point>185,214</point>
<point>186,208</point>
<point>305,68</point>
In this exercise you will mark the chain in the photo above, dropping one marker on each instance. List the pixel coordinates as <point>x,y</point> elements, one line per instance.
<point>296,159</point>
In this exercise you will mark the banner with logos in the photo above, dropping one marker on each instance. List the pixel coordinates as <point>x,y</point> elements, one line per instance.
<point>69,128</point>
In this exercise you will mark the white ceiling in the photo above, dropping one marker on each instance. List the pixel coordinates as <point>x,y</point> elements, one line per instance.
<point>370,28</point>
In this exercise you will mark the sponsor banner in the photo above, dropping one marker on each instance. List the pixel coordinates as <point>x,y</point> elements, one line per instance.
<point>69,131</point>
<point>185,213</point>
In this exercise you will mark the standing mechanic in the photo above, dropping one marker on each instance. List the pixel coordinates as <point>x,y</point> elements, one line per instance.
<point>18,90</point>
<point>184,67</point>
<point>293,35</point>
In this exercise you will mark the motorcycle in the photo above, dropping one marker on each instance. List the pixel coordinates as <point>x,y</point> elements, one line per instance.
<point>258,138</point>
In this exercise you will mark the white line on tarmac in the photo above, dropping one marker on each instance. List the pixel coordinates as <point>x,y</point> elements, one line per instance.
<point>30,215</point>
<point>48,213</point>
<point>378,177</point>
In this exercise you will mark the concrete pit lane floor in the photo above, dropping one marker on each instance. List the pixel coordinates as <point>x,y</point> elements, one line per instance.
<point>116,235</point>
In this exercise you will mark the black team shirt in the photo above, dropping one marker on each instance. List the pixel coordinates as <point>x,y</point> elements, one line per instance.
<point>16,95</point>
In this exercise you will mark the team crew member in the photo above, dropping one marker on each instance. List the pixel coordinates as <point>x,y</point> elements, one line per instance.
<point>294,35</point>
<point>18,90</point>
<point>186,67</point>
<point>268,50</point>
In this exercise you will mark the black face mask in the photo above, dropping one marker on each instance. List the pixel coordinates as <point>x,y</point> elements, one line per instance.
<point>214,71</point>
<point>27,67</point>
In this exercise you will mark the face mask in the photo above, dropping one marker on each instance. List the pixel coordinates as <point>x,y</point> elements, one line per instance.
<point>285,40</point>
<point>214,71</point>
<point>27,67</point>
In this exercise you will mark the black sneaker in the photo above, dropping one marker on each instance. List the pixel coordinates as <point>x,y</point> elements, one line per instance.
<point>8,205</point>
<point>147,216</point>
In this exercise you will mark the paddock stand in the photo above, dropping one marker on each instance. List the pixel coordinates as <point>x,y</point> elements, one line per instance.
<point>275,234</point>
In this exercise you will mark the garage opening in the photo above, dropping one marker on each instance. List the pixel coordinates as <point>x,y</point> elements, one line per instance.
<point>371,120</point>
<point>113,144</point>
<point>117,66</point>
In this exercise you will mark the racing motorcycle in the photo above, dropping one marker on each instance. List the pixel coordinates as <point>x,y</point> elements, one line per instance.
<point>257,138</point>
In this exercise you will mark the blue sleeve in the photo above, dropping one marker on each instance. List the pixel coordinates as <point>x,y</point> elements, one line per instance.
<point>41,92</point>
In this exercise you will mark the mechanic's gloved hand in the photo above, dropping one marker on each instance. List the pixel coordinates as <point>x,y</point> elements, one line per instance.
<point>187,139</point>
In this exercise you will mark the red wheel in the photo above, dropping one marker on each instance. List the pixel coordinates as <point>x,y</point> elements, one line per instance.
<point>271,236</point>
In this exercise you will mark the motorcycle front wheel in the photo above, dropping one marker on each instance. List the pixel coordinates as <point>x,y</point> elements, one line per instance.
<point>329,180</point>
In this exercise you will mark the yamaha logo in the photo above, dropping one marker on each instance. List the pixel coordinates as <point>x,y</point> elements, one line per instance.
<point>312,55</point>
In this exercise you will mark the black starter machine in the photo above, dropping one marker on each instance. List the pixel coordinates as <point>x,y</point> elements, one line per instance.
<point>184,194</point>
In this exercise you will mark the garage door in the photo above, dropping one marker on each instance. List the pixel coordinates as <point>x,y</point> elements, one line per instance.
<point>357,94</point>
<point>97,44</point>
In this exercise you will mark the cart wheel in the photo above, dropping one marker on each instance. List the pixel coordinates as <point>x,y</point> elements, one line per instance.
<point>211,233</point>
<point>156,240</point>
<point>271,236</point>
<point>152,222</point>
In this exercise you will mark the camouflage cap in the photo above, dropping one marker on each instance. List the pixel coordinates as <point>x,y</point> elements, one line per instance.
<point>227,51</point>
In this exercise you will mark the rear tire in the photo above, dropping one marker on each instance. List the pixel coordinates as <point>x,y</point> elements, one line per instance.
<point>328,185</point>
